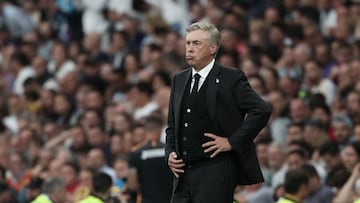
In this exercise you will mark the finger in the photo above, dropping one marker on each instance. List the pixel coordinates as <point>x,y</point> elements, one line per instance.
<point>173,155</point>
<point>177,165</point>
<point>210,135</point>
<point>175,174</point>
<point>176,170</point>
<point>212,148</point>
<point>175,161</point>
<point>215,153</point>
<point>208,144</point>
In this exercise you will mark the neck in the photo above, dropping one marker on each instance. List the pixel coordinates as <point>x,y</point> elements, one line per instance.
<point>154,142</point>
<point>142,102</point>
<point>294,198</point>
<point>101,196</point>
<point>51,197</point>
<point>201,66</point>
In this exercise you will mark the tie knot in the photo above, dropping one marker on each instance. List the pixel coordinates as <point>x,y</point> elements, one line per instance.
<point>197,76</point>
<point>196,83</point>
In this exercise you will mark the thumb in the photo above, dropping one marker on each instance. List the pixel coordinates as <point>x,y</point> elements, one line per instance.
<point>174,155</point>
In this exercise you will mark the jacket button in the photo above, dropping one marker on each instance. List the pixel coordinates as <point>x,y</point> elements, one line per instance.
<point>188,110</point>
<point>186,125</point>
<point>184,139</point>
<point>184,153</point>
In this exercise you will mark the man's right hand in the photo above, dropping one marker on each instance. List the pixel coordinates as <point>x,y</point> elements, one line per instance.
<point>175,164</point>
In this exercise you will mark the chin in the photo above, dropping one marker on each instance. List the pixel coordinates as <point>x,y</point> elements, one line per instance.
<point>191,63</point>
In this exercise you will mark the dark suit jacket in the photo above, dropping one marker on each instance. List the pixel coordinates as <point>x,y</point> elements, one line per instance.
<point>236,111</point>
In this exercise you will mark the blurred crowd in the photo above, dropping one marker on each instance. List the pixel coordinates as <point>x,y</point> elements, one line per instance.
<point>79,80</point>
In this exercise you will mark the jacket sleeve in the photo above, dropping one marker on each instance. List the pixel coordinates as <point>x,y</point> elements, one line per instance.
<point>170,130</point>
<point>257,113</point>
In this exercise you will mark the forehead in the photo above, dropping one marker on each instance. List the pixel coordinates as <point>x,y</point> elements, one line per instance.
<point>196,35</point>
<point>339,124</point>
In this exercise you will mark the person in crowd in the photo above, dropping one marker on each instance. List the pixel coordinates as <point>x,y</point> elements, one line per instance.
<point>31,191</point>
<point>342,125</point>
<point>52,191</point>
<point>146,161</point>
<point>276,159</point>
<point>350,191</point>
<point>121,168</point>
<point>70,174</point>
<point>96,160</point>
<point>350,155</point>
<point>318,192</point>
<point>140,95</point>
<point>101,189</point>
<point>299,111</point>
<point>296,187</point>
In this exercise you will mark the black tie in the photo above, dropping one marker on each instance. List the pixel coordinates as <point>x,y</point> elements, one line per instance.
<point>196,84</point>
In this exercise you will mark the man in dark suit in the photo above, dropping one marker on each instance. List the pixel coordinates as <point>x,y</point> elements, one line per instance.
<point>214,115</point>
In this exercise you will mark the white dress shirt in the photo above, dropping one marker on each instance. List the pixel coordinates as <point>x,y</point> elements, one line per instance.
<point>203,73</point>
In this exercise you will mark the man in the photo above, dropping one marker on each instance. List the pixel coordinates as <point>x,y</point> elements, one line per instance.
<point>148,173</point>
<point>296,187</point>
<point>53,191</point>
<point>140,95</point>
<point>294,159</point>
<point>70,173</point>
<point>342,125</point>
<point>209,143</point>
<point>101,189</point>
<point>96,160</point>
<point>315,133</point>
<point>31,191</point>
<point>299,111</point>
<point>17,21</point>
<point>316,83</point>
<point>318,192</point>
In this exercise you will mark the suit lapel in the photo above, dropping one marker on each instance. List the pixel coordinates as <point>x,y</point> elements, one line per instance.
<point>212,88</point>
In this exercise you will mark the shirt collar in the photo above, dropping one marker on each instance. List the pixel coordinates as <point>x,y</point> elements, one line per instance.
<point>205,71</point>
<point>292,198</point>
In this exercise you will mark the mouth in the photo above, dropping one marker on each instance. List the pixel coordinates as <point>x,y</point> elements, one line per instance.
<point>189,58</point>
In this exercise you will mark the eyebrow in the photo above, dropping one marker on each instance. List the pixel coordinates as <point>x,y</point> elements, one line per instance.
<point>193,40</point>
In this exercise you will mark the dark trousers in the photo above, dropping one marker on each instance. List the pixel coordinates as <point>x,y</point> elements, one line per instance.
<point>208,183</point>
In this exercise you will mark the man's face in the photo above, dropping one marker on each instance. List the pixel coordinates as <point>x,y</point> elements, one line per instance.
<point>349,157</point>
<point>331,161</point>
<point>294,133</point>
<point>60,196</point>
<point>312,72</point>
<point>298,111</point>
<point>198,50</point>
<point>68,174</point>
<point>294,161</point>
<point>357,133</point>
<point>341,132</point>
<point>31,194</point>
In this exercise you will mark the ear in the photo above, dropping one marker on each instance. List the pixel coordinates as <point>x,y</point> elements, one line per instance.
<point>213,49</point>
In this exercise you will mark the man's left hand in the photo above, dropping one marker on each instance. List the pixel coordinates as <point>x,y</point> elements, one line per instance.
<point>218,144</point>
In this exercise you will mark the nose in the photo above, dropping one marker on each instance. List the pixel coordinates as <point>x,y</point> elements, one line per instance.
<point>189,48</point>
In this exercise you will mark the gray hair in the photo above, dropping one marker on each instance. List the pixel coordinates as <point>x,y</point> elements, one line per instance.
<point>214,36</point>
<point>53,185</point>
<point>343,119</point>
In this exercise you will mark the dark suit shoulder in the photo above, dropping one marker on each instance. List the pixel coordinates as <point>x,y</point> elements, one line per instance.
<point>230,70</point>
<point>185,71</point>
<point>232,75</point>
